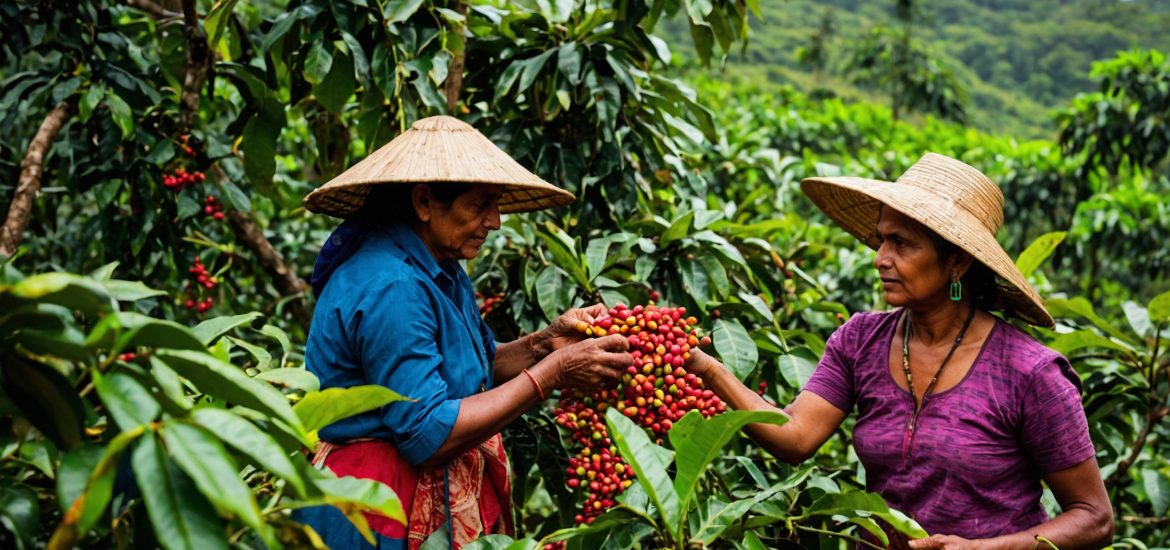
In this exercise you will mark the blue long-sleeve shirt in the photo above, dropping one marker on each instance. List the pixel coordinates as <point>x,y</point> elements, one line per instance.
<point>392,315</point>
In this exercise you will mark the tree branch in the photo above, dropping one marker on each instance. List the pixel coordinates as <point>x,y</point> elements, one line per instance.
<point>31,169</point>
<point>455,73</point>
<point>154,10</point>
<point>198,61</point>
<point>1153,416</point>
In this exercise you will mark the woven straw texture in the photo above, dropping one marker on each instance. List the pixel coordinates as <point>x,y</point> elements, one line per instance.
<point>955,200</point>
<point>437,149</point>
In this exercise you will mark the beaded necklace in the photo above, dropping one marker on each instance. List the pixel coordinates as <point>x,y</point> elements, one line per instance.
<point>906,334</point>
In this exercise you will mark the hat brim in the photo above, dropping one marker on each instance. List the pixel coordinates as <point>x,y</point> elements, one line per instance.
<point>439,149</point>
<point>855,204</point>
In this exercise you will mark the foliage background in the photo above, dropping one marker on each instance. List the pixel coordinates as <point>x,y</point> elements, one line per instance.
<point>687,183</point>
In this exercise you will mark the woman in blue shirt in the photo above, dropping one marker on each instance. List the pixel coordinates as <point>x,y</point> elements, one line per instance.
<point>396,308</point>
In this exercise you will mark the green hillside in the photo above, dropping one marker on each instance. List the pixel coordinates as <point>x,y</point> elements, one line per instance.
<point>1017,59</point>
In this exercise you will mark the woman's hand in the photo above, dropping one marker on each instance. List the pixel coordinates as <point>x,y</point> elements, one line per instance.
<point>563,330</point>
<point>590,362</point>
<point>702,365</point>
<point>944,542</point>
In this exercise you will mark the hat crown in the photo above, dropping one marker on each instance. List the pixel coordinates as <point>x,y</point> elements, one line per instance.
<point>441,123</point>
<point>966,187</point>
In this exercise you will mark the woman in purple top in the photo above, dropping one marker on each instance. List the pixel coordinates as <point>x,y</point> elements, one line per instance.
<point>960,415</point>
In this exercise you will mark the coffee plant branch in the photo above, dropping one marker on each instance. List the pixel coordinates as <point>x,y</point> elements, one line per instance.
<point>455,74</point>
<point>31,170</point>
<point>243,225</point>
<point>154,10</point>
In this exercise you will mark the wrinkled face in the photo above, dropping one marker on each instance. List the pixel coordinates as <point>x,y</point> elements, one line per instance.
<point>908,263</point>
<point>458,230</point>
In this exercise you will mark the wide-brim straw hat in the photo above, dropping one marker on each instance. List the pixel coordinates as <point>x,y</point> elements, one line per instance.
<point>946,195</point>
<point>438,149</point>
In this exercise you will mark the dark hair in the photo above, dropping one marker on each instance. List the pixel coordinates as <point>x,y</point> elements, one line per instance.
<point>978,282</point>
<point>391,204</point>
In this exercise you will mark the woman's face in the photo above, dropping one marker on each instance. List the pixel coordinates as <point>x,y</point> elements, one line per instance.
<point>907,262</point>
<point>458,230</point>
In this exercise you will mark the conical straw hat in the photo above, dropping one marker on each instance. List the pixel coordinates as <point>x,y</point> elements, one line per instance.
<point>439,149</point>
<point>954,200</point>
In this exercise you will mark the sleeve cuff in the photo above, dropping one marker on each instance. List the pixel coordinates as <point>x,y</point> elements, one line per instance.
<point>432,433</point>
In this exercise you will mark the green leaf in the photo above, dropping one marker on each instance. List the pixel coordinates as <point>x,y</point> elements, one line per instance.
<point>863,504</point>
<point>46,398</point>
<point>508,77</point>
<point>217,20</point>
<point>258,145</point>
<point>250,440</point>
<point>130,291</point>
<point>1157,487</point>
<point>21,513</point>
<point>73,474</point>
<point>717,275</point>
<point>397,11</point>
<point>697,441</point>
<point>1159,308</point>
<point>103,273</point>
<point>87,508</point>
<point>1038,251</point>
<point>649,462</point>
<point>723,247</point>
<point>225,381</point>
<point>717,516</point>
<point>552,294</point>
<point>569,62</point>
<point>735,347</point>
<point>797,366</point>
<point>204,458</point>
<point>1138,318</point>
<point>565,255</point>
<point>757,304</point>
<point>128,402</point>
<point>182,518</point>
<point>352,495</point>
<point>338,86</point>
<point>751,541</point>
<point>143,331</point>
<point>235,197</point>
<point>278,334</point>
<point>261,355</point>
<point>291,378</point>
<point>677,230</point>
<point>1080,307</point>
<point>65,289</point>
<point>318,62</point>
<point>532,68</point>
<point>121,113</point>
<point>320,409</point>
<point>210,330</point>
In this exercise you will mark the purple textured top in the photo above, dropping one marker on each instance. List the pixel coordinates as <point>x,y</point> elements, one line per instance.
<point>974,464</point>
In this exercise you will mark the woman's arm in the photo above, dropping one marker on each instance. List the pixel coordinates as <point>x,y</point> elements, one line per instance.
<point>582,365</point>
<point>517,355</point>
<point>811,418</point>
<point>1084,523</point>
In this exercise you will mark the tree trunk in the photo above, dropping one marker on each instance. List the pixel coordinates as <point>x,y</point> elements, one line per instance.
<point>31,169</point>
<point>455,73</point>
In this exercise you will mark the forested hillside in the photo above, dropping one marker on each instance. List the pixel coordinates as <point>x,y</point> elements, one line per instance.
<point>1016,60</point>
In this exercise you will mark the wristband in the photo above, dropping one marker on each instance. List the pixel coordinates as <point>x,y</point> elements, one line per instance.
<point>539,391</point>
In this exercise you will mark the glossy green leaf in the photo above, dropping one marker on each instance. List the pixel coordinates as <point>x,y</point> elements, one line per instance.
<point>797,366</point>
<point>565,254</point>
<point>1039,251</point>
<point>552,294</point>
<point>532,68</point>
<point>46,399</point>
<point>751,541</point>
<point>73,474</point>
<point>735,347</point>
<point>204,459</point>
<point>263,359</point>
<point>860,503</point>
<point>225,381</point>
<point>121,113</point>
<point>678,229</point>
<point>318,62</point>
<point>211,329</point>
<point>1157,486</point>
<point>320,409</point>
<point>250,440</point>
<point>292,379</point>
<point>130,291</point>
<point>65,289</point>
<point>716,274</point>
<point>697,441</point>
<point>508,77</point>
<point>89,505</point>
<point>352,495</point>
<point>142,331</point>
<point>127,401</point>
<point>278,334</point>
<point>717,516</point>
<point>649,462</point>
<point>217,20</point>
<point>569,62</point>
<point>21,513</point>
<point>1138,318</point>
<point>1081,307</point>
<point>1159,308</point>
<point>397,11</point>
<point>182,518</point>
<point>258,145</point>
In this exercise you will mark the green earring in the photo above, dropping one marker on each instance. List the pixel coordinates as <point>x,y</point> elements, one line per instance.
<point>956,288</point>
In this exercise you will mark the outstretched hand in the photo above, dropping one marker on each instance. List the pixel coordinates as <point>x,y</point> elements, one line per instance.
<point>563,330</point>
<point>944,542</point>
<point>589,363</point>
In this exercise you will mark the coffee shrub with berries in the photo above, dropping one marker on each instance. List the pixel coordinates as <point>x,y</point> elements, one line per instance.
<point>655,392</point>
